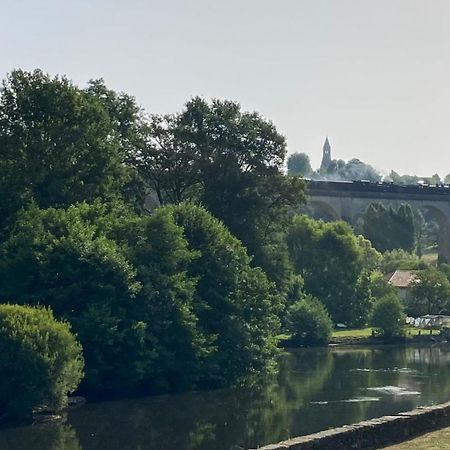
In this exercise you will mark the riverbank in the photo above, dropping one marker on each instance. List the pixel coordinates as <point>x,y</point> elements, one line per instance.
<point>366,337</point>
<point>374,433</point>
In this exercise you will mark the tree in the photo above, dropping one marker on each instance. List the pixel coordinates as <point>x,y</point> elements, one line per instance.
<point>430,293</point>
<point>228,160</point>
<point>59,258</point>
<point>310,322</point>
<point>58,145</point>
<point>160,303</point>
<point>40,361</point>
<point>330,259</point>
<point>351,171</point>
<point>389,228</point>
<point>388,315</point>
<point>399,259</point>
<point>299,164</point>
<point>235,304</point>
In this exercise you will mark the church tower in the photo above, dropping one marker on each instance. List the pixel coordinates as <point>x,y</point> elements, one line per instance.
<point>326,156</point>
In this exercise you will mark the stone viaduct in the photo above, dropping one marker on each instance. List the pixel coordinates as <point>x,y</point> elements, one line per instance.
<point>348,200</point>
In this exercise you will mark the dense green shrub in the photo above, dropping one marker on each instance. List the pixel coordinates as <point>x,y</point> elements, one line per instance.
<point>309,322</point>
<point>234,302</point>
<point>332,262</point>
<point>388,315</point>
<point>162,302</point>
<point>40,360</point>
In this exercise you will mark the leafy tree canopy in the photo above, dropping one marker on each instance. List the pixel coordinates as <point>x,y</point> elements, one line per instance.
<point>40,361</point>
<point>388,228</point>
<point>330,259</point>
<point>299,164</point>
<point>430,293</point>
<point>228,160</point>
<point>388,315</point>
<point>58,144</point>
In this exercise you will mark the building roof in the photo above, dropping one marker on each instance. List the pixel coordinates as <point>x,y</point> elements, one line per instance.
<point>401,278</point>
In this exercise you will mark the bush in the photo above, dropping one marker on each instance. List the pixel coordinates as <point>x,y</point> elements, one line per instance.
<point>40,361</point>
<point>234,303</point>
<point>388,315</point>
<point>310,322</point>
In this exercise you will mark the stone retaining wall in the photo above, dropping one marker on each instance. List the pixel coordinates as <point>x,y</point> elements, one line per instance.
<point>374,433</point>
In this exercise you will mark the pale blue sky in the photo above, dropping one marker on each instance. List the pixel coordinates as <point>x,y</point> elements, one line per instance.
<point>373,75</point>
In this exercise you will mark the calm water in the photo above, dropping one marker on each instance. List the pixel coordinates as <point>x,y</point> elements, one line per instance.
<point>314,389</point>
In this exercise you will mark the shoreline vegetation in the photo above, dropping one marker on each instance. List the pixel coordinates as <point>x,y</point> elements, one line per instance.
<point>368,336</point>
<point>174,249</point>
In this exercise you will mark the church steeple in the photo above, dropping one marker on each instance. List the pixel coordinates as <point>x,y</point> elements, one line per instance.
<point>326,156</point>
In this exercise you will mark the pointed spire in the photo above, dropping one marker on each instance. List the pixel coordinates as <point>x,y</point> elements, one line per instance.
<point>326,155</point>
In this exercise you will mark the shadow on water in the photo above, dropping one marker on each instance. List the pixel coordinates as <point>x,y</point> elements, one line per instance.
<point>314,389</point>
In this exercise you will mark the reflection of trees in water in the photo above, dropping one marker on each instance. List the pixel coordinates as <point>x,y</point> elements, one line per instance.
<point>49,436</point>
<point>271,409</point>
<point>433,371</point>
<point>208,420</point>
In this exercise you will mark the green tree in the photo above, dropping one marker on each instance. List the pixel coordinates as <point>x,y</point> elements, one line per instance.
<point>430,293</point>
<point>399,259</point>
<point>388,315</point>
<point>309,322</point>
<point>57,145</point>
<point>330,259</point>
<point>299,164</point>
<point>58,258</point>
<point>235,304</point>
<point>389,228</point>
<point>40,361</point>
<point>228,160</point>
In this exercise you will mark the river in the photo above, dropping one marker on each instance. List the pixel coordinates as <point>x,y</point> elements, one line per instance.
<point>314,389</point>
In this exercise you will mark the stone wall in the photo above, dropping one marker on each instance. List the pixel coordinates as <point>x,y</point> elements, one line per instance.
<point>374,433</point>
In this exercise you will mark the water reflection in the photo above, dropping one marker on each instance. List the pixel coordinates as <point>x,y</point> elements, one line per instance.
<point>314,389</point>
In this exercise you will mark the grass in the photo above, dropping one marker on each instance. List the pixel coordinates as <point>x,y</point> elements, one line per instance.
<point>360,333</point>
<point>437,440</point>
<point>352,333</point>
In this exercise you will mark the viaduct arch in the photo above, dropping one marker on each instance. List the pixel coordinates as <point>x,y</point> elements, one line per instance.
<point>348,200</point>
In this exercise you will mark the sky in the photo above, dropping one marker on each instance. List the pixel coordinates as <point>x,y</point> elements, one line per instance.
<point>372,75</point>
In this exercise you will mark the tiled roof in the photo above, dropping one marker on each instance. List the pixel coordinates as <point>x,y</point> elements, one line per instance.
<point>401,278</point>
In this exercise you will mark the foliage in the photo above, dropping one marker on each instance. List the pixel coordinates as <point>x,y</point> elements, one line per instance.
<point>412,179</point>
<point>58,258</point>
<point>298,164</point>
<point>235,304</point>
<point>228,160</point>
<point>40,361</point>
<point>430,293</point>
<point>379,287</point>
<point>388,228</point>
<point>310,322</point>
<point>353,170</point>
<point>330,259</point>
<point>399,259</point>
<point>160,302</point>
<point>388,315</point>
<point>58,145</point>
<point>371,258</point>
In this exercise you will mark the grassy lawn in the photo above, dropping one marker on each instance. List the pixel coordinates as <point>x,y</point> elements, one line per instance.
<point>437,440</point>
<point>351,333</point>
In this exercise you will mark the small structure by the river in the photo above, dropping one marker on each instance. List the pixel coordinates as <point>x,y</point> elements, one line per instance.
<point>403,280</point>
